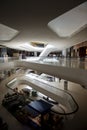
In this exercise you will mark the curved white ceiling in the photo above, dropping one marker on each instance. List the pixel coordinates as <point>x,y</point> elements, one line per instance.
<point>70,22</point>
<point>26,47</point>
<point>31,18</point>
<point>7,33</point>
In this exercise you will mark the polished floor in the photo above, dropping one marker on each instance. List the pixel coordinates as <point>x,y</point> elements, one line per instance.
<point>79,121</point>
<point>65,62</point>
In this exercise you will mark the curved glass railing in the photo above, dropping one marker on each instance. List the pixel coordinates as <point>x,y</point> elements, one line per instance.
<point>62,97</point>
<point>60,68</point>
<point>65,62</point>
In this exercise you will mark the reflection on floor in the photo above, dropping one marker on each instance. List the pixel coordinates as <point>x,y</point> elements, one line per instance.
<point>78,122</point>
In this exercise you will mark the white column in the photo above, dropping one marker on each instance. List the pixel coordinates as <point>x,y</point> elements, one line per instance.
<point>64,53</point>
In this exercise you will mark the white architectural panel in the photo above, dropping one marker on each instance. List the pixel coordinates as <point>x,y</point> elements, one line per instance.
<point>70,22</point>
<point>7,33</point>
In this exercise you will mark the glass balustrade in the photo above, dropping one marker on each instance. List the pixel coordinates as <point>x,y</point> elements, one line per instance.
<point>65,100</point>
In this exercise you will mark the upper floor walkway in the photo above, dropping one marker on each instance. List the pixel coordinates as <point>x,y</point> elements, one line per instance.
<point>69,69</point>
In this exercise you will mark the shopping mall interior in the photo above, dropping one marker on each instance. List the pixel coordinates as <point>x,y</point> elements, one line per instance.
<point>43,65</point>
